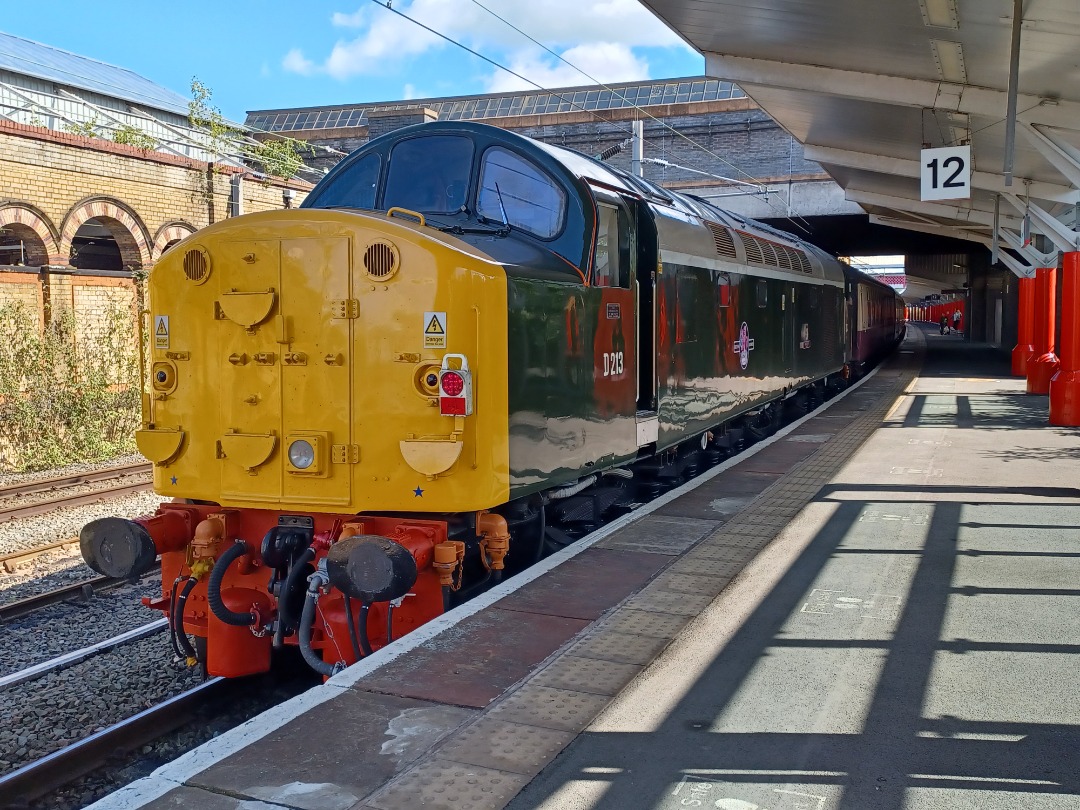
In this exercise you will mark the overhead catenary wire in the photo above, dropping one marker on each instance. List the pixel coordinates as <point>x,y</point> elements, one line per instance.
<point>615,92</point>
<point>387,4</point>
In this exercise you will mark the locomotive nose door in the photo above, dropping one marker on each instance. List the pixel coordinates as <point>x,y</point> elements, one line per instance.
<point>315,343</point>
<point>286,394</point>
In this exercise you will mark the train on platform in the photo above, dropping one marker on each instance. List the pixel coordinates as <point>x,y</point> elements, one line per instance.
<point>465,349</point>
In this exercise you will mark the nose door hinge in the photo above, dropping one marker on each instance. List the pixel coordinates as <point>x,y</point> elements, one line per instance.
<point>346,308</point>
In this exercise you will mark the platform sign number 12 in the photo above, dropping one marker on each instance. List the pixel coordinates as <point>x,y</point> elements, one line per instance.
<point>946,173</point>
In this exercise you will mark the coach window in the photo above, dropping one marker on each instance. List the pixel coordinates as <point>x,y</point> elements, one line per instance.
<point>611,260</point>
<point>429,174</point>
<point>762,293</point>
<point>353,187</point>
<point>532,201</point>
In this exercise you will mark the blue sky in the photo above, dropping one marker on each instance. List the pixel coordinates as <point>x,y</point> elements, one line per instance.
<point>270,54</point>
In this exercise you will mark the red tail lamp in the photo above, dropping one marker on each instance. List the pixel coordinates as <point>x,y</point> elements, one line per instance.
<point>455,386</point>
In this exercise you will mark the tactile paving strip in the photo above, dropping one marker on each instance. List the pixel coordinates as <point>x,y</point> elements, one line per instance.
<point>622,647</point>
<point>506,746</point>
<point>681,581</point>
<point>586,675</point>
<point>443,785</point>
<point>561,709</point>
<point>655,599</point>
<point>660,625</point>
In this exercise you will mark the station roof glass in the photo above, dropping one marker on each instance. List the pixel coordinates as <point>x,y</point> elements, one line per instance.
<point>498,105</point>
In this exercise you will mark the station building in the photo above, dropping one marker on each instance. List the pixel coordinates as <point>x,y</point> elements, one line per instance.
<point>100,172</point>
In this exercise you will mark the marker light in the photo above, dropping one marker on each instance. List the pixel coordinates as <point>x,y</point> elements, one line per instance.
<point>301,454</point>
<point>455,387</point>
<point>452,383</point>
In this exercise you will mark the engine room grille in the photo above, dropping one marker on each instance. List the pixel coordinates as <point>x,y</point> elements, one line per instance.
<point>196,265</point>
<point>722,238</point>
<point>752,246</point>
<point>774,254</point>
<point>381,260</point>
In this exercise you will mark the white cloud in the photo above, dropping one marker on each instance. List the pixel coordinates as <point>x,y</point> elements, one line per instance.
<point>600,34</point>
<point>408,92</point>
<point>296,62</point>
<point>354,20</point>
<point>604,61</point>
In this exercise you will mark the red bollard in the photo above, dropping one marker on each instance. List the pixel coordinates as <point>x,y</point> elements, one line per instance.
<point>1044,364</point>
<point>1065,385</point>
<point>1025,338</point>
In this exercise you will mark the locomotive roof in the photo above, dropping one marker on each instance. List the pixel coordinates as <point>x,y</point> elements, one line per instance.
<point>589,171</point>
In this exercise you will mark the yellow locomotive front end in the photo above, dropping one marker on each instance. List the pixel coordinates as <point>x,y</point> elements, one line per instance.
<point>296,365</point>
<point>328,409</point>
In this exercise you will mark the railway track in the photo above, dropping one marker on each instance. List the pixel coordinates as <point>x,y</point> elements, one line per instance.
<point>79,479</point>
<point>77,656</point>
<point>62,767</point>
<point>77,499</point>
<point>78,591</point>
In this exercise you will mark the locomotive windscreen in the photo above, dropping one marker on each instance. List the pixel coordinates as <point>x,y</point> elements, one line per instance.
<point>430,174</point>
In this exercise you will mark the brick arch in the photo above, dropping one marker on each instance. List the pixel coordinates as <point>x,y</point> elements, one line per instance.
<point>169,233</point>
<point>124,224</point>
<point>26,222</point>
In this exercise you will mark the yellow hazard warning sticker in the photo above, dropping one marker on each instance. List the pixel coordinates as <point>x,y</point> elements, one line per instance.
<point>434,330</point>
<point>161,331</point>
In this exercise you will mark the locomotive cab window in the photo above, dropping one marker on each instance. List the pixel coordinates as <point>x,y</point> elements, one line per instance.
<point>611,260</point>
<point>429,174</point>
<point>762,293</point>
<point>353,187</point>
<point>532,201</point>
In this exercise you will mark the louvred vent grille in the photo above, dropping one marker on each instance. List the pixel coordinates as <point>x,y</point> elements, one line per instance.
<point>722,238</point>
<point>381,260</point>
<point>196,265</point>
<point>774,254</point>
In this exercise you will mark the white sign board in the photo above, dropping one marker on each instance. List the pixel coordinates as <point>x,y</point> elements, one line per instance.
<point>946,173</point>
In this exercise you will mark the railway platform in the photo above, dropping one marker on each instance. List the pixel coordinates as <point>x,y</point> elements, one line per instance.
<point>876,610</point>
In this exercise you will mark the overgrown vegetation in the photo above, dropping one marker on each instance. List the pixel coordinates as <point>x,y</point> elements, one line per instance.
<point>67,393</point>
<point>133,136</point>
<point>281,157</point>
<point>88,128</point>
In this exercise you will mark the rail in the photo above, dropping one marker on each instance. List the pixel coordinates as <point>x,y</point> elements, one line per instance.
<point>62,767</point>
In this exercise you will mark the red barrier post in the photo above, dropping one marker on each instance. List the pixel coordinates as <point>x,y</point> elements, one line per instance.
<point>1044,364</point>
<point>1065,385</point>
<point>1025,337</point>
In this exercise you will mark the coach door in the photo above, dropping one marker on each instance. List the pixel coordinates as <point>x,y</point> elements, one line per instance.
<point>615,358</point>
<point>646,312</point>
<point>788,312</point>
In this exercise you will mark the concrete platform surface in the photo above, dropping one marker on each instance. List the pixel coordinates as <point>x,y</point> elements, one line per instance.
<point>880,609</point>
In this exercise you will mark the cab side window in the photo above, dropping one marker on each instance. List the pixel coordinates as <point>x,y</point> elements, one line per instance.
<point>523,193</point>
<point>611,259</point>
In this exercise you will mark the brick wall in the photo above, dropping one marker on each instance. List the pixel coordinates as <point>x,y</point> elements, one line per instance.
<point>52,182</point>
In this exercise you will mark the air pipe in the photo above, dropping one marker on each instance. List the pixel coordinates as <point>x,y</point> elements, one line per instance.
<point>307,619</point>
<point>213,589</point>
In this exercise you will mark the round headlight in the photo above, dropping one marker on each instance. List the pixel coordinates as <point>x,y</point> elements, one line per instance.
<point>301,454</point>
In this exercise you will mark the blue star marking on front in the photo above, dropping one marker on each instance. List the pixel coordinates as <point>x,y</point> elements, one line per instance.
<point>419,493</point>
<point>173,479</point>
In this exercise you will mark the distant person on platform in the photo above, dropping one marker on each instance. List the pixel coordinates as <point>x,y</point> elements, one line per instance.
<point>956,320</point>
<point>944,324</point>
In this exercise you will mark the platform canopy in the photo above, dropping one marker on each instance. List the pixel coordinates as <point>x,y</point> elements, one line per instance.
<point>866,85</point>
